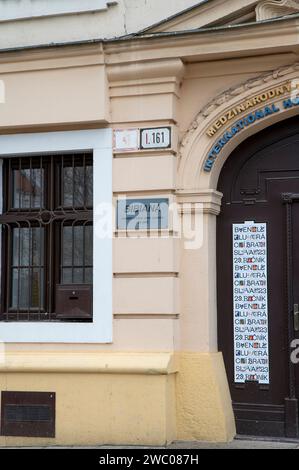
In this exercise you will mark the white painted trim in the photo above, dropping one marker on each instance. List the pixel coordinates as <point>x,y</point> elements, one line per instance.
<point>100,331</point>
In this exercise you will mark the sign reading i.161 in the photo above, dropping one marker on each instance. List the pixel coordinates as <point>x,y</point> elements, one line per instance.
<point>155,138</point>
<point>250,290</point>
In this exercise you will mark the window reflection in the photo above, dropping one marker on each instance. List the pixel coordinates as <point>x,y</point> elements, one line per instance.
<point>77,248</point>
<point>77,186</point>
<point>27,268</point>
<point>28,188</point>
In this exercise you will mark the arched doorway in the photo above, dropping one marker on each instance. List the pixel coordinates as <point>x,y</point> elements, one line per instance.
<point>258,280</point>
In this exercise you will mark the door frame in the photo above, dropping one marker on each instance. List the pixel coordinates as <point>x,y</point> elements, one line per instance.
<point>291,403</point>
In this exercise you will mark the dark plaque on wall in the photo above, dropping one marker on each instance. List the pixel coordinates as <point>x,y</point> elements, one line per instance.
<point>142,214</point>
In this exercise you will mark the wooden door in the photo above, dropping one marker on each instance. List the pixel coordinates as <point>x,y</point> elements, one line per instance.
<point>260,184</point>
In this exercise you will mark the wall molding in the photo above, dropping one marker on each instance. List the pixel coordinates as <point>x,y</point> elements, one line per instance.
<point>87,362</point>
<point>269,9</point>
<point>208,201</point>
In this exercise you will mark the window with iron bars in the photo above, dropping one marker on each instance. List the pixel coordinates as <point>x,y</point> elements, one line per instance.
<point>47,238</point>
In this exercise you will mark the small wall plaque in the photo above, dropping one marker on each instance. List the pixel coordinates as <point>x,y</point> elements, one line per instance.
<point>155,138</point>
<point>126,140</point>
<point>142,214</point>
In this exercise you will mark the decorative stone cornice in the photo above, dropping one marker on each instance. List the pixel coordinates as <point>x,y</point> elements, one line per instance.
<point>207,201</point>
<point>146,70</point>
<point>268,9</point>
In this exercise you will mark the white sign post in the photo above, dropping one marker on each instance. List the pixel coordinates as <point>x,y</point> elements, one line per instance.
<point>250,290</point>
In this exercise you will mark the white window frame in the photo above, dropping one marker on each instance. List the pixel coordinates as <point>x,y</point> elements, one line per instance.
<point>100,143</point>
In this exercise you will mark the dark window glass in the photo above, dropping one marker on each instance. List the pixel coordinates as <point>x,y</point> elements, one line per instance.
<point>76,254</point>
<point>47,236</point>
<point>28,188</point>
<point>27,268</point>
<point>77,190</point>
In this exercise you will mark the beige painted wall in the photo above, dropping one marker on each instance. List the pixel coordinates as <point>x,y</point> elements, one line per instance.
<point>157,281</point>
<point>43,90</point>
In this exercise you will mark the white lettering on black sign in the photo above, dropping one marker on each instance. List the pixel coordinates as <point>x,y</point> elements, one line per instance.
<point>250,291</point>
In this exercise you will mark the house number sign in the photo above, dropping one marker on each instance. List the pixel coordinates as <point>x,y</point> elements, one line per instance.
<point>131,140</point>
<point>250,303</point>
<point>155,138</point>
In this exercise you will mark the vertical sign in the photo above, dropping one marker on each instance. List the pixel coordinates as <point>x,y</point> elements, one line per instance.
<point>251,348</point>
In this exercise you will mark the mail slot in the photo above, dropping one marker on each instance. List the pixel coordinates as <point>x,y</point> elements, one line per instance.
<point>74,302</point>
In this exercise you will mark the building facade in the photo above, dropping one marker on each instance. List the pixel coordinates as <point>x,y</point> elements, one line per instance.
<point>149,285</point>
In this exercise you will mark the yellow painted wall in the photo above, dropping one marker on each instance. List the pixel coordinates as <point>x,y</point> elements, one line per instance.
<point>204,410</point>
<point>93,409</point>
<point>145,399</point>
